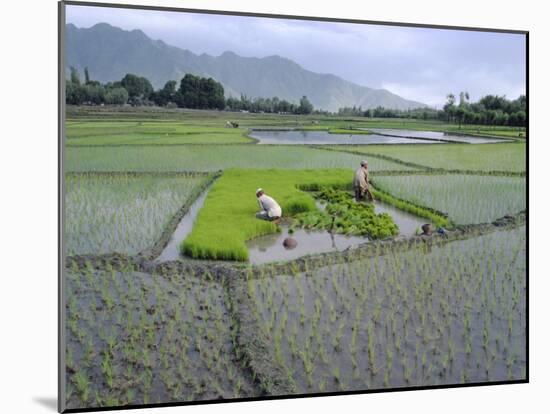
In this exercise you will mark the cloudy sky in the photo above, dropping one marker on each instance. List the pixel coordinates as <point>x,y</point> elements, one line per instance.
<point>415,63</point>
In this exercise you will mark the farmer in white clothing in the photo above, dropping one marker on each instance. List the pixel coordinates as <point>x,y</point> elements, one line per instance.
<point>270,210</point>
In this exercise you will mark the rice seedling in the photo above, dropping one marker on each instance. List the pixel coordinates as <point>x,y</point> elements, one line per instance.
<point>465,198</point>
<point>231,200</point>
<point>486,157</point>
<point>126,362</point>
<point>409,315</point>
<point>204,158</point>
<point>122,212</point>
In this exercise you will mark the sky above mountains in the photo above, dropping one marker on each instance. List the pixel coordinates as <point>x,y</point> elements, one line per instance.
<point>415,63</point>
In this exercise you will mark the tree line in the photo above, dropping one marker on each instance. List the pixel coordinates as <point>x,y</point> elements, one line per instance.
<point>488,110</point>
<point>193,92</point>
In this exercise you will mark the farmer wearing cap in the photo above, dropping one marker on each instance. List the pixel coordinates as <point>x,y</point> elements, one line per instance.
<point>361,182</point>
<point>270,210</point>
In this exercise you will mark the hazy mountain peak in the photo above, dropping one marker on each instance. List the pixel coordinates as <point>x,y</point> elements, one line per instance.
<point>110,52</point>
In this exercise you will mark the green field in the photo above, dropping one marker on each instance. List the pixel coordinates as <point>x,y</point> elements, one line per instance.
<point>122,213</point>
<point>227,218</point>
<point>105,133</point>
<point>465,198</point>
<point>396,312</point>
<point>141,339</point>
<point>447,315</point>
<point>213,158</point>
<point>479,157</point>
<point>218,119</point>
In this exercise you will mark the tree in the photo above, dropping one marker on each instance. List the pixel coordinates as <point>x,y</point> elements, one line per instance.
<point>86,76</point>
<point>75,79</point>
<point>116,96</point>
<point>166,94</point>
<point>305,106</point>
<point>449,107</point>
<point>200,93</point>
<point>139,88</point>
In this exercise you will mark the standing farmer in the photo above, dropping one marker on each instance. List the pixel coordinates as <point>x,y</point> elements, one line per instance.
<point>361,182</point>
<point>270,210</point>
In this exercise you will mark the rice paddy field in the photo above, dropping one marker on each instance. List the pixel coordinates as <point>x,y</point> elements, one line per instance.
<point>465,198</point>
<point>445,315</point>
<point>390,312</point>
<point>509,157</point>
<point>120,212</point>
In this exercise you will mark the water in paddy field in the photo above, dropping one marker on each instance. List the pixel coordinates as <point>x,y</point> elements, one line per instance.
<point>379,136</point>
<point>270,248</point>
<point>323,137</point>
<point>432,135</point>
<point>172,251</point>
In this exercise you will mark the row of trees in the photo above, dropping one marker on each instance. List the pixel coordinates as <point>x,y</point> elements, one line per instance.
<point>193,92</point>
<point>489,110</point>
<point>270,105</point>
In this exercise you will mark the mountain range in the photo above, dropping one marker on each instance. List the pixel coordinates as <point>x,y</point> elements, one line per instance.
<point>110,52</point>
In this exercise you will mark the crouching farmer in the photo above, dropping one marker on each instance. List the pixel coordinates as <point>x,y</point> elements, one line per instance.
<point>361,182</point>
<point>270,210</point>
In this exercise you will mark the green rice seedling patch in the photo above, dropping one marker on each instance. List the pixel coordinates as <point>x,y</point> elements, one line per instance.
<point>227,218</point>
<point>345,216</point>
<point>439,314</point>
<point>467,199</point>
<point>136,338</point>
<point>121,212</point>
<point>213,158</point>
<point>481,157</point>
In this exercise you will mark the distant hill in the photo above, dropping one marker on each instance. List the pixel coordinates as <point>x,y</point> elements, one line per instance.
<point>110,53</point>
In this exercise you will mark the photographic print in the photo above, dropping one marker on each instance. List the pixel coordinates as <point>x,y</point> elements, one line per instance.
<point>262,206</point>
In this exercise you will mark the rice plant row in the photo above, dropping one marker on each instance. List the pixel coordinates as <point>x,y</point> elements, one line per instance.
<point>467,199</point>
<point>426,316</point>
<point>135,338</point>
<point>482,157</point>
<point>211,158</point>
<point>122,213</point>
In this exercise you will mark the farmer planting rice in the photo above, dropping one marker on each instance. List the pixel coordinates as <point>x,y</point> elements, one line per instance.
<point>270,210</point>
<point>361,182</point>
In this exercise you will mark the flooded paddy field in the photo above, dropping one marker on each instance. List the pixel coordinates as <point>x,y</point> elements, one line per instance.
<point>434,135</point>
<point>288,137</point>
<point>446,315</point>
<point>341,311</point>
<point>137,338</point>
<point>270,248</point>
